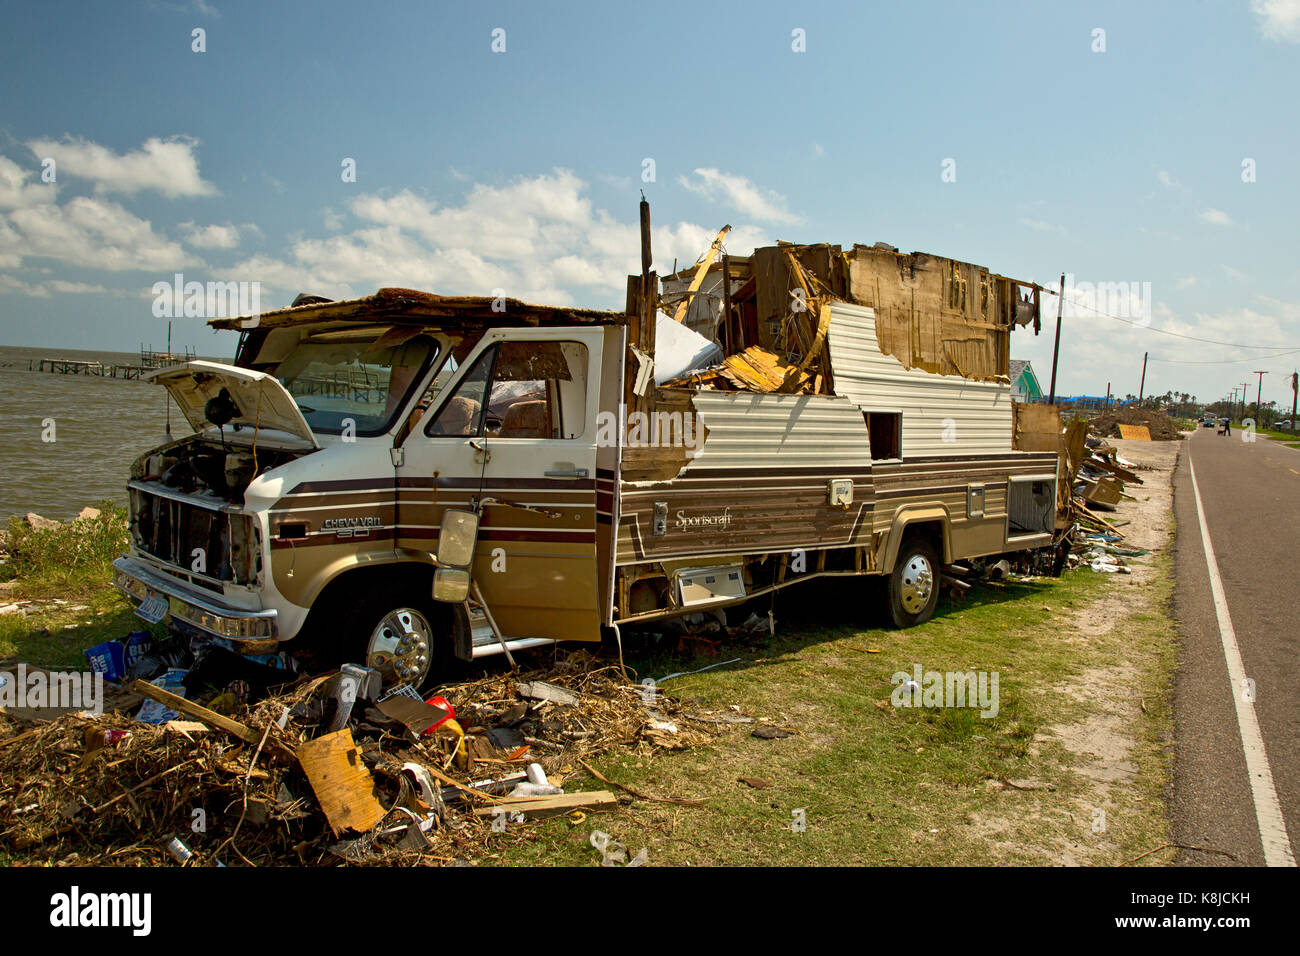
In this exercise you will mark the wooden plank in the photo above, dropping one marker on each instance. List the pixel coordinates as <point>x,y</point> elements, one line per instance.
<point>1135,432</point>
<point>1118,471</point>
<point>537,807</point>
<point>342,784</point>
<point>209,717</point>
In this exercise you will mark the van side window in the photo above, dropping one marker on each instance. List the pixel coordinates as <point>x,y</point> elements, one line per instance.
<point>537,390</point>
<point>462,415</point>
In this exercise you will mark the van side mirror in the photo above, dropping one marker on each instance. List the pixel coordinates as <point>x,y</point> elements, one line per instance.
<point>457,537</point>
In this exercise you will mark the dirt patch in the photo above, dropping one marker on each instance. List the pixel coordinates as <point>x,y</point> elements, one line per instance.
<point>1107,749</point>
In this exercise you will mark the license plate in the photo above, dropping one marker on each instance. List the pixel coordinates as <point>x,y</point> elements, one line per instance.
<point>153,609</point>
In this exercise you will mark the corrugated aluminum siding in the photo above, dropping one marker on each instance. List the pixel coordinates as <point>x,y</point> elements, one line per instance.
<point>748,430</point>
<point>980,411</point>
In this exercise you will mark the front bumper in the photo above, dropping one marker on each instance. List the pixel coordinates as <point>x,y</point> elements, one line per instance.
<point>253,632</point>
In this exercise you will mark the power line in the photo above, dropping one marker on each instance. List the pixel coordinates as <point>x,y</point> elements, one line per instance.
<point>1180,335</point>
<point>1248,358</point>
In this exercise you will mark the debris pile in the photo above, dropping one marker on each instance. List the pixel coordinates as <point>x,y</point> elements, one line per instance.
<point>1160,426</point>
<point>329,770</point>
<point>1097,479</point>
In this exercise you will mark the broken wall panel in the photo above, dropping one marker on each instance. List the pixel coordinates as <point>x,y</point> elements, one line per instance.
<point>933,313</point>
<point>942,415</point>
<point>776,282</point>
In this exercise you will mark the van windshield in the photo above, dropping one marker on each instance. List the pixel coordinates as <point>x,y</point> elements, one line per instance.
<point>356,382</point>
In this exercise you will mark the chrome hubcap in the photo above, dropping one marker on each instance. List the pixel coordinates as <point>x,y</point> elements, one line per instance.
<point>918,582</point>
<point>399,647</point>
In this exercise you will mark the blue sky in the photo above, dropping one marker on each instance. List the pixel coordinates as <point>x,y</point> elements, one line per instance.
<point>521,169</point>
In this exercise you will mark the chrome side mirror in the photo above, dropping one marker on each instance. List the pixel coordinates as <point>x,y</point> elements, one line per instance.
<point>457,537</point>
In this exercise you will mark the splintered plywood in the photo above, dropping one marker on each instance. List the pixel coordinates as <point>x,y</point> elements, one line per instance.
<point>1135,432</point>
<point>342,784</point>
<point>1036,427</point>
<point>932,313</point>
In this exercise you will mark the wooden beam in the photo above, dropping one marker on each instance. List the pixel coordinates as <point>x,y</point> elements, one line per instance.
<point>707,261</point>
<point>534,807</point>
<point>209,717</point>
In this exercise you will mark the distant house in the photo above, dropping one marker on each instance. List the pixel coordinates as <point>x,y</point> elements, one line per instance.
<point>1024,384</point>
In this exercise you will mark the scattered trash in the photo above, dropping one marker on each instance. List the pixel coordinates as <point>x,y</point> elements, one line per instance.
<point>155,711</point>
<point>274,788</point>
<point>179,851</point>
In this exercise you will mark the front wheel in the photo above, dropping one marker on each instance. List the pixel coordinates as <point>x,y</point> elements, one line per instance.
<point>914,583</point>
<point>400,637</point>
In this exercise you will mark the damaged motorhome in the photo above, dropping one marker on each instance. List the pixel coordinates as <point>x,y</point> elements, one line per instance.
<point>410,476</point>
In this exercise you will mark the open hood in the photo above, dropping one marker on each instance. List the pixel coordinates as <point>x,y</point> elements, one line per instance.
<point>251,398</point>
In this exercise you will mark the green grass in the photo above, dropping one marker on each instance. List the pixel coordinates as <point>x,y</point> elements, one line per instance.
<point>886,785</point>
<point>1289,439</point>
<point>74,559</point>
<point>71,563</point>
<point>877,784</point>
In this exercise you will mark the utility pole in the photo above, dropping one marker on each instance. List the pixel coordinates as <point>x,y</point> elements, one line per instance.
<point>1259,396</point>
<point>1142,387</point>
<point>1056,349</point>
<point>1244,386</point>
<point>1295,391</point>
<point>1108,396</point>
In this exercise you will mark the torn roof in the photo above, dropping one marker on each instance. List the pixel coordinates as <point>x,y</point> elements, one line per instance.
<point>394,306</point>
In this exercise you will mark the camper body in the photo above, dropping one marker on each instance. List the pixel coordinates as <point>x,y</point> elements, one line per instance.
<point>329,462</point>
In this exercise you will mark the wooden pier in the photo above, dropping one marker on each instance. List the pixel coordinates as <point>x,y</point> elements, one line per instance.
<point>149,361</point>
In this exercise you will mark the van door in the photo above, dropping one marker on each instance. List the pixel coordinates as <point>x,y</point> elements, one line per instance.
<point>515,436</point>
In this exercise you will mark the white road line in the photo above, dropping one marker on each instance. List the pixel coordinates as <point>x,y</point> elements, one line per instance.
<point>1268,812</point>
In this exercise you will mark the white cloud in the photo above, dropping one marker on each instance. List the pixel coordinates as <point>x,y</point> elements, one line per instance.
<point>43,290</point>
<point>210,237</point>
<point>1186,282</point>
<point>1215,217</point>
<point>539,238</point>
<point>750,200</point>
<point>94,233</point>
<point>9,255</point>
<point>167,166</point>
<point>1166,179</point>
<point>1278,19</point>
<point>15,190</point>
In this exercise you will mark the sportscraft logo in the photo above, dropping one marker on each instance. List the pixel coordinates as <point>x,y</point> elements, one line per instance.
<point>76,909</point>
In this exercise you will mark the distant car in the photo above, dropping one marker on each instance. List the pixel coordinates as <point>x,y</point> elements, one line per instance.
<point>1207,421</point>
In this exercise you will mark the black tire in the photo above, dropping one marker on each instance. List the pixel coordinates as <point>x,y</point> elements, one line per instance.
<point>913,589</point>
<point>383,630</point>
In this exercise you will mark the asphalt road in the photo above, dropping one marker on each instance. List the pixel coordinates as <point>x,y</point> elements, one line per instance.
<point>1250,493</point>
